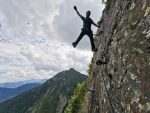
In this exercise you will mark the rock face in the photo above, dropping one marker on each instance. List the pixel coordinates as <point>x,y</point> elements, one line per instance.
<point>121,78</point>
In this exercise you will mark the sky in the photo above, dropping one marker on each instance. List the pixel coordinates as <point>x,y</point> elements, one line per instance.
<point>36,38</point>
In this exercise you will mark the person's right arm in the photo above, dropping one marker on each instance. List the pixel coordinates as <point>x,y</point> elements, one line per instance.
<point>75,8</point>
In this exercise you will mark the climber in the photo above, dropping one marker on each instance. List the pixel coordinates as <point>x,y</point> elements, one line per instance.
<point>86,30</point>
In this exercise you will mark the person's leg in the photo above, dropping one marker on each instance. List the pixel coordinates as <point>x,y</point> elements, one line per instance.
<point>90,34</point>
<point>78,39</point>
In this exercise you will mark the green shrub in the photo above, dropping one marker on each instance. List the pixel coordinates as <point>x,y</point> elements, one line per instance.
<point>76,100</point>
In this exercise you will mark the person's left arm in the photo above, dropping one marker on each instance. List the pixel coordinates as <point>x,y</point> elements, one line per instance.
<point>95,24</point>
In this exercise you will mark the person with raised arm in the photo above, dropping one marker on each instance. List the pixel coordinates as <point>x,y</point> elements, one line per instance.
<point>86,30</point>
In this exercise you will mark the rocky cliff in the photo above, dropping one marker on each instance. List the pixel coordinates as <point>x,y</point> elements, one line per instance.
<point>120,80</point>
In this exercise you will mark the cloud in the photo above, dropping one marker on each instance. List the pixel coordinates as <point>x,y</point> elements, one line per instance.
<point>36,37</point>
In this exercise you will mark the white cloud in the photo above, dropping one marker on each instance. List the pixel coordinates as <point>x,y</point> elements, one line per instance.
<point>36,37</point>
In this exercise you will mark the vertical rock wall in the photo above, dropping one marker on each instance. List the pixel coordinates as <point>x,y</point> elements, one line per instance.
<point>121,82</point>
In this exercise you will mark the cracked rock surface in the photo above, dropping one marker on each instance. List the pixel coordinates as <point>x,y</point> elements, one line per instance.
<point>123,84</point>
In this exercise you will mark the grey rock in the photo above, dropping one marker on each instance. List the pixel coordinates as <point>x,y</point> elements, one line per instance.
<point>125,43</point>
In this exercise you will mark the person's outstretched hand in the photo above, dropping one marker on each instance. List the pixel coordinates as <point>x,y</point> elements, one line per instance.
<point>75,8</point>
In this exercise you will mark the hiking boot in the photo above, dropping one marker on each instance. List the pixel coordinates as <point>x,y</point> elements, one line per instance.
<point>94,50</point>
<point>74,44</point>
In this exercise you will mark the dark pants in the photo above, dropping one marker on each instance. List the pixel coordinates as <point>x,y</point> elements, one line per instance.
<point>89,33</point>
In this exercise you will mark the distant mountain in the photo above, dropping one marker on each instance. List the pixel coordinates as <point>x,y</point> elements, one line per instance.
<point>51,97</point>
<point>20,83</point>
<point>7,93</point>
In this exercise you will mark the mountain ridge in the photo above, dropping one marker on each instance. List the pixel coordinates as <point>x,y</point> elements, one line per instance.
<point>51,97</point>
<point>8,93</point>
<point>20,83</point>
